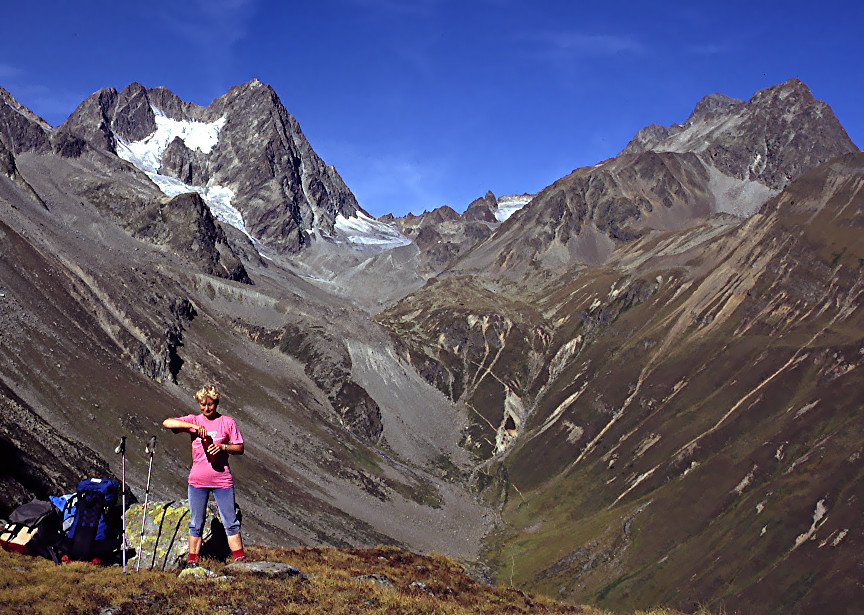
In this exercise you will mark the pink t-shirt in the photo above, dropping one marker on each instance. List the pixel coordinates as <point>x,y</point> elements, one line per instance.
<point>223,430</point>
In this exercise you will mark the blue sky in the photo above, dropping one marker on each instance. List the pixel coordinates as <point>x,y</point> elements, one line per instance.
<point>421,103</point>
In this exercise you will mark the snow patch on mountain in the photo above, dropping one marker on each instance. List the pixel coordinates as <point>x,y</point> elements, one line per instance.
<point>509,205</point>
<point>146,154</point>
<point>361,230</point>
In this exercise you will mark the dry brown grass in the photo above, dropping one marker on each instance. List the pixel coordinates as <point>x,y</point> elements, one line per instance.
<point>420,584</point>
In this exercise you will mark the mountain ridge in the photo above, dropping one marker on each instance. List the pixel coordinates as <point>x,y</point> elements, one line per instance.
<point>285,188</point>
<point>651,364</point>
<point>672,179</point>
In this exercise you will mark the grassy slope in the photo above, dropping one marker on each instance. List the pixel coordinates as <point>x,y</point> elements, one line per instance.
<point>715,415</point>
<point>420,584</point>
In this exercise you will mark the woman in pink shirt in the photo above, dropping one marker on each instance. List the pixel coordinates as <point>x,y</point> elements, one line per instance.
<point>211,476</point>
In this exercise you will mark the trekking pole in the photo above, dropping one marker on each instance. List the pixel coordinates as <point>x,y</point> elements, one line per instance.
<point>121,450</point>
<point>151,448</point>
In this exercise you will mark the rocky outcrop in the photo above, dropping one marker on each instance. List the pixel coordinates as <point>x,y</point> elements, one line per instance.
<point>21,131</point>
<point>327,362</point>
<point>159,359</point>
<point>7,162</point>
<point>186,224</point>
<point>482,210</point>
<point>189,166</point>
<point>9,169</point>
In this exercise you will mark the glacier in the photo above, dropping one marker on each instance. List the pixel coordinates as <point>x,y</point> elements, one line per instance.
<point>146,155</point>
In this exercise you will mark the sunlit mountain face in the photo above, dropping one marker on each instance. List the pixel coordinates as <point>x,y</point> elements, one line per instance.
<point>637,387</point>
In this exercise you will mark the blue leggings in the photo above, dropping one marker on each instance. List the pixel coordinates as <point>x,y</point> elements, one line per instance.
<point>198,509</point>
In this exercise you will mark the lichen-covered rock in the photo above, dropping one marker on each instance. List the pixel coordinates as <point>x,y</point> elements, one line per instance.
<point>165,535</point>
<point>165,542</point>
<point>202,573</point>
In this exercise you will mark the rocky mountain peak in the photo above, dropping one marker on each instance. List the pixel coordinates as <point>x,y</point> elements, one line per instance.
<point>172,106</point>
<point>729,157</point>
<point>92,120</point>
<point>483,209</point>
<point>7,99</point>
<point>646,138</point>
<point>771,139</point>
<point>133,118</point>
<point>21,130</point>
<point>787,94</point>
<point>714,103</point>
<point>244,153</point>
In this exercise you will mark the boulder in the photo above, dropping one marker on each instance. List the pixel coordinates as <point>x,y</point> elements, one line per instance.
<point>267,569</point>
<point>165,537</point>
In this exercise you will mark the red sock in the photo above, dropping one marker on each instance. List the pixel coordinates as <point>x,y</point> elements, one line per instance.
<point>193,557</point>
<point>238,554</point>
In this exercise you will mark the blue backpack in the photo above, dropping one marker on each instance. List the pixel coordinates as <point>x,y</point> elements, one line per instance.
<point>96,531</point>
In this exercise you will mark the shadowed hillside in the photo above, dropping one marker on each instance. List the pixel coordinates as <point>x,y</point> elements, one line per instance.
<point>695,399</point>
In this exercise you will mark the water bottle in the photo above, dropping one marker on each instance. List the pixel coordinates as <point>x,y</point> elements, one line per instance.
<point>206,441</point>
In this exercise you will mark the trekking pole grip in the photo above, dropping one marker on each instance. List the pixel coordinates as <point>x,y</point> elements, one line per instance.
<point>151,446</point>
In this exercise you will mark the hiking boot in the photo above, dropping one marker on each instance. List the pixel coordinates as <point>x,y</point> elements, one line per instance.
<point>191,565</point>
<point>240,559</point>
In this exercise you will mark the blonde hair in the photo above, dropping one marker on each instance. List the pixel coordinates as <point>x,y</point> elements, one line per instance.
<point>207,391</point>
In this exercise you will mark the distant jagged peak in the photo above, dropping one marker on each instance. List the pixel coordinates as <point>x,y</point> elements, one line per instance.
<point>173,106</point>
<point>21,130</point>
<point>717,115</point>
<point>791,92</point>
<point>11,102</point>
<point>91,120</point>
<point>252,86</point>
<point>714,104</point>
<point>652,136</point>
<point>483,209</point>
<point>439,214</point>
<point>772,138</point>
<point>251,95</point>
<point>487,208</point>
<point>646,138</point>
